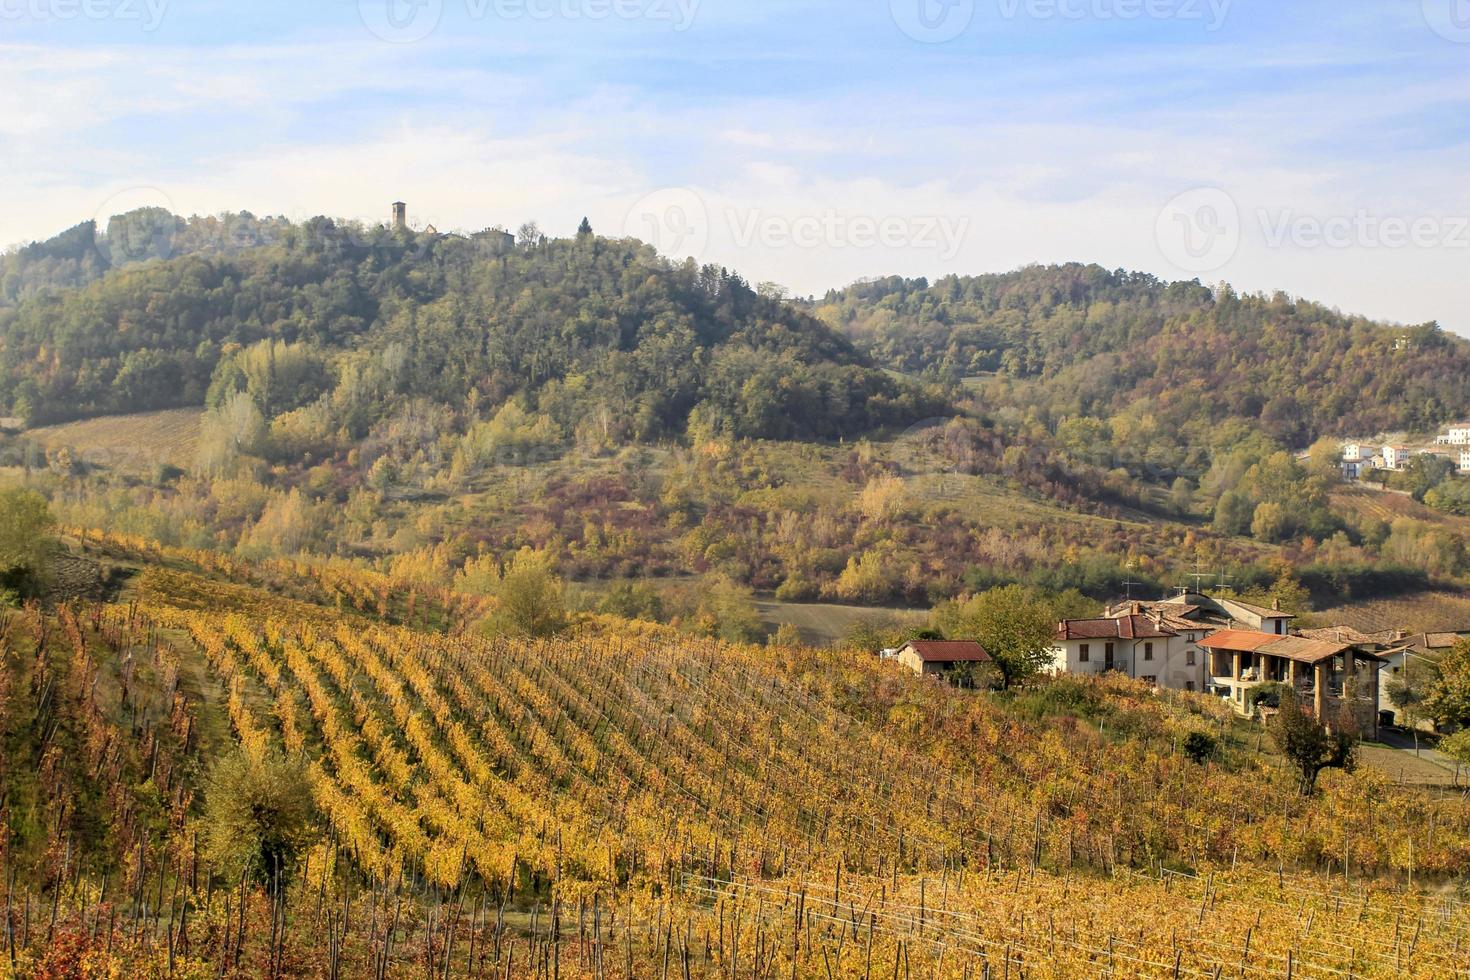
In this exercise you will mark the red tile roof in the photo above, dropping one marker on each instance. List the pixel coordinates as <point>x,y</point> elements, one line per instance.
<point>1298,648</point>
<point>1122,628</point>
<point>1246,641</point>
<point>949,651</point>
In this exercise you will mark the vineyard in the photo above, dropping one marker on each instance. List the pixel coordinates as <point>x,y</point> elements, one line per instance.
<point>636,804</point>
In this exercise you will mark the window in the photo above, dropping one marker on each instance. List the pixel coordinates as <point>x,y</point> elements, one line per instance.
<point>1084,653</point>
<point>1148,651</point>
<point>1189,658</point>
<point>1189,685</point>
<point>1151,681</point>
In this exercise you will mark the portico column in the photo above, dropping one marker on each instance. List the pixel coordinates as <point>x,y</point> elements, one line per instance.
<point>1320,696</point>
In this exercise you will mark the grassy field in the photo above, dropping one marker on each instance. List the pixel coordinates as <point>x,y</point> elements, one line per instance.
<point>823,624</point>
<point>128,442</point>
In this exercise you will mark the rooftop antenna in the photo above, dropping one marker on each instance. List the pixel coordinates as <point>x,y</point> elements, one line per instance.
<point>1199,575</point>
<point>1224,582</point>
<point>1128,585</point>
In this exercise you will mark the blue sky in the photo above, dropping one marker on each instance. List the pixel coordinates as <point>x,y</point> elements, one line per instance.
<point>1314,147</point>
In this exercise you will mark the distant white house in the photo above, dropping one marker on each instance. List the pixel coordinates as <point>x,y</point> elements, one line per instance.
<point>1395,457</point>
<point>1356,452</point>
<point>1465,460</point>
<point>1456,435</point>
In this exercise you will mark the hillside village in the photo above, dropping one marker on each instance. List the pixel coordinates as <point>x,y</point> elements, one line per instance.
<point>1361,458</point>
<point>1241,652</point>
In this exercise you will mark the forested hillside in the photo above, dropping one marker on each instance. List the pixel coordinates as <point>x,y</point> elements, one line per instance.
<point>1085,341</point>
<point>345,324</point>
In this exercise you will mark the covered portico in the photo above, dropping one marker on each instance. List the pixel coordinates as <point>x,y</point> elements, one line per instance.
<point>1325,675</point>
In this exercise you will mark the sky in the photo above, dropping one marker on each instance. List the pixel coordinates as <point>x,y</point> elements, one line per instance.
<point>1314,147</point>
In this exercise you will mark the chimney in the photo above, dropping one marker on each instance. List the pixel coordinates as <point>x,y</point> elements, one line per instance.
<point>1276,604</point>
<point>400,215</point>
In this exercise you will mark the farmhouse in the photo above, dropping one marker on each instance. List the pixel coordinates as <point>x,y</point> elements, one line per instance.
<point>1331,678</point>
<point>940,658</point>
<point>1204,612</point>
<point>1153,647</point>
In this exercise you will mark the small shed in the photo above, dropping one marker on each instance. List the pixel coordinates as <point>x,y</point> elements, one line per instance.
<point>937,658</point>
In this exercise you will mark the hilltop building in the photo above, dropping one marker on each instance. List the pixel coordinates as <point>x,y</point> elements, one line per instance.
<point>400,216</point>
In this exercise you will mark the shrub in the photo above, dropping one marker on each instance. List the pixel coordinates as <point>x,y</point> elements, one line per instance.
<point>1199,747</point>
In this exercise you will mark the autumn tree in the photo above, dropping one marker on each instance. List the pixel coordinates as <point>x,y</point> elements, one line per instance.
<point>1014,624</point>
<point>530,598</point>
<point>258,819</point>
<point>25,524</point>
<point>1409,691</point>
<point>1307,744</point>
<point>1448,699</point>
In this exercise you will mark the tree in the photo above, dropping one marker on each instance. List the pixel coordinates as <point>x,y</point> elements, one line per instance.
<point>25,543</point>
<point>530,599</point>
<point>258,818</point>
<point>1325,461</point>
<point>1409,690</point>
<point>1307,744</point>
<point>1448,700</point>
<point>1270,523</point>
<point>1014,624</point>
<point>1233,513</point>
<point>584,230</point>
<point>1422,474</point>
<point>1457,746</point>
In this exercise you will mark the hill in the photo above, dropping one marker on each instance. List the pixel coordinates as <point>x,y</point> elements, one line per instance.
<point>625,797</point>
<point>344,325</point>
<point>1079,340</point>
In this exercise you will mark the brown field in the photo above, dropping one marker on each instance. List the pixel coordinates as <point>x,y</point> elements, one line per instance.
<point>1386,506</point>
<point>1409,769</point>
<point>824,624</point>
<point>1427,611</point>
<point>128,442</point>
